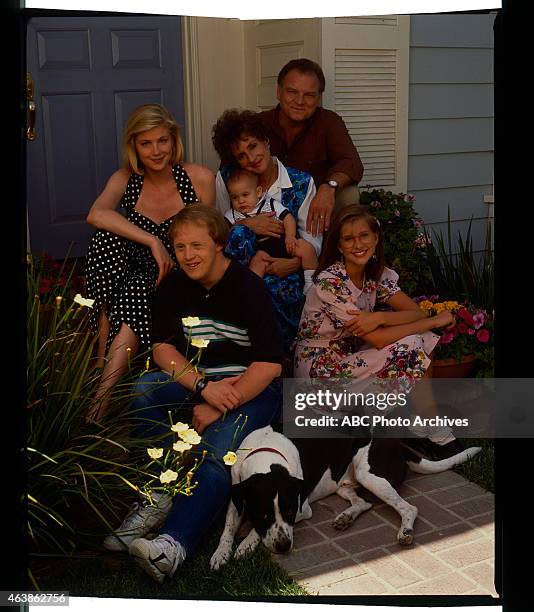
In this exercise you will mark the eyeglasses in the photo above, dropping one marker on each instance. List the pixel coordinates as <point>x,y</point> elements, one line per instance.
<point>362,238</point>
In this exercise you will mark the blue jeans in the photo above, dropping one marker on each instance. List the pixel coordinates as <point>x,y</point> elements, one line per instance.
<point>191,517</point>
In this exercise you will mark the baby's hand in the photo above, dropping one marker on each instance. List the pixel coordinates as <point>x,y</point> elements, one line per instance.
<point>291,245</point>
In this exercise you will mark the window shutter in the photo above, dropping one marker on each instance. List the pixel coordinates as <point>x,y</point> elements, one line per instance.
<point>365,60</point>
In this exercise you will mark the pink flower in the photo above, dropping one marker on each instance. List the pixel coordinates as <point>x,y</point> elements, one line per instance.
<point>462,328</point>
<point>479,319</point>
<point>483,335</point>
<point>375,204</point>
<point>397,212</point>
<point>446,337</point>
<point>471,331</point>
<point>418,223</point>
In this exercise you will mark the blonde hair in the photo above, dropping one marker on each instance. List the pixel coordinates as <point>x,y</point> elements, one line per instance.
<point>200,214</point>
<point>145,118</point>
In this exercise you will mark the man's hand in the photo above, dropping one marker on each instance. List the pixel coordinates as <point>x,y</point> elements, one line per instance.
<point>320,211</point>
<point>265,224</point>
<point>282,267</point>
<point>363,322</point>
<point>222,394</point>
<point>204,415</point>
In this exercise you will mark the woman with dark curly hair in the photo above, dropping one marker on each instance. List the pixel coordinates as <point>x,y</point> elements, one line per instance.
<point>240,138</point>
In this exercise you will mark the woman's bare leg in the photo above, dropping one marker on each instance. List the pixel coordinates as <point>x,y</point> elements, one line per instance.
<point>116,366</point>
<point>103,333</point>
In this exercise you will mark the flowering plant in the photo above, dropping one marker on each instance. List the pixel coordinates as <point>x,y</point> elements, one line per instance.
<point>404,238</point>
<point>471,334</point>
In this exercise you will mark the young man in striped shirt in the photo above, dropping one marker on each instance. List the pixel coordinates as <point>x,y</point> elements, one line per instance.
<point>237,377</point>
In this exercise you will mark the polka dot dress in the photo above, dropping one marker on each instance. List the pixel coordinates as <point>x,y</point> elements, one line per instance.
<point>122,274</point>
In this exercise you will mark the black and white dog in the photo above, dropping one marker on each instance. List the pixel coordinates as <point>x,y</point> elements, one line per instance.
<point>275,479</point>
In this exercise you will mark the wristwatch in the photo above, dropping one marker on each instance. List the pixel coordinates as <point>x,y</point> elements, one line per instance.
<point>332,183</point>
<point>201,384</point>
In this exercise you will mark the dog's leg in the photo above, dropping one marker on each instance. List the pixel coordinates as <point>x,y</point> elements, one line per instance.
<point>382,488</point>
<point>224,550</point>
<point>248,545</point>
<point>304,514</point>
<point>357,506</point>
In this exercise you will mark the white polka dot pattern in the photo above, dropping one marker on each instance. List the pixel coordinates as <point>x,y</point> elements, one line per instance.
<point>121,274</point>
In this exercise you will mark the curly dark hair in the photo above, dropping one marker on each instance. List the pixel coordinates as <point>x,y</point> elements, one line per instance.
<point>233,125</point>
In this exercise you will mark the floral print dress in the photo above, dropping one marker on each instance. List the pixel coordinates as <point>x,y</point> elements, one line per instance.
<point>325,349</point>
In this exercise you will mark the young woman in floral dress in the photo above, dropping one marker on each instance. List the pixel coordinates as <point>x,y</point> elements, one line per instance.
<point>341,332</point>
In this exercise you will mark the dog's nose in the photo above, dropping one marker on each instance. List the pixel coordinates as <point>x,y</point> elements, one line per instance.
<point>283,545</point>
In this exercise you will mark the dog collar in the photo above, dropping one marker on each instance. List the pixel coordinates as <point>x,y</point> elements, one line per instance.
<point>267,450</point>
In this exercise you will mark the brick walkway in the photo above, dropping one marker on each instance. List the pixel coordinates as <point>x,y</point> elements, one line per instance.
<point>452,554</point>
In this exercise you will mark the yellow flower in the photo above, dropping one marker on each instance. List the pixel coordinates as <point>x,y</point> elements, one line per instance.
<point>191,321</point>
<point>168,476</point>
<point>83,301</point>
<point>426,305</point>
<point>58,300</point>
<point>439,307</point>
<point>190,436</point>
<point>147,364</point>
<point>180,446</point>
<point>200,342</point>
<point>178,427</point>
<point>155,453</point>
<point>230,458</point>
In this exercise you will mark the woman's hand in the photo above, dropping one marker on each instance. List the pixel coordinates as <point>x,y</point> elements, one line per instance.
<point>203,416</point>
<point>222,394</point>
<point>444,319</point>
<point>363,322</point>
<point>265,224</point>
<point>162,257</point>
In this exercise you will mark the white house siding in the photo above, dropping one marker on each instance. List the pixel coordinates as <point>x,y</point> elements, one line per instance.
<point>450,120</point>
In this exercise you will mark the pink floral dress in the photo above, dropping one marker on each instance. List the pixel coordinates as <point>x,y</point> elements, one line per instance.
<point>325,349</point>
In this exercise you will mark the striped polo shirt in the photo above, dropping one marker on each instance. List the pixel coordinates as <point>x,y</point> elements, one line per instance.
<point>236,316</point>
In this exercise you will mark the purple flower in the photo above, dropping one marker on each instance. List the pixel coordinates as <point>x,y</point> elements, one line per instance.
<point>375,204</point>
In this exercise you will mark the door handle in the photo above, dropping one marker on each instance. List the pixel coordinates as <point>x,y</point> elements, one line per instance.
<point>31,108</point>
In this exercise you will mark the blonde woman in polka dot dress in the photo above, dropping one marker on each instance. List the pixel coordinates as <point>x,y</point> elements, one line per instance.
<point>131,253</point>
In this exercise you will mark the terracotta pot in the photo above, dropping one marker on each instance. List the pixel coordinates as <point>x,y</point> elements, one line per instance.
<point>450,368</point>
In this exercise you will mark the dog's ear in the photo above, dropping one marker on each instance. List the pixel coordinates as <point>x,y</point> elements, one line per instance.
<point>239,493</point>
<point>301,492</point>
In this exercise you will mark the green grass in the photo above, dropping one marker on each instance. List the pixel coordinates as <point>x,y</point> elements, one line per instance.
<point>117,575</point>
<point>480,469</point>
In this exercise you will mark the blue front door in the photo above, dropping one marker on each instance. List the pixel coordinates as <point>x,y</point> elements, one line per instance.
<point>89,74</point>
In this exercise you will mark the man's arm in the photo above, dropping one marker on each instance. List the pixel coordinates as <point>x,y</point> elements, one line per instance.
<point>345,168</point>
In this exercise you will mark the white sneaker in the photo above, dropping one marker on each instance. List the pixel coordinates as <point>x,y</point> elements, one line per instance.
<point>139,521</point>
<point>158,557</point>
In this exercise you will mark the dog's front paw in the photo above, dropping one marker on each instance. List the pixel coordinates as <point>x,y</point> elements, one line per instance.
<point>405,537</point>
<point>342,521</point>
<point>243,550</point>
<point>220,557</point>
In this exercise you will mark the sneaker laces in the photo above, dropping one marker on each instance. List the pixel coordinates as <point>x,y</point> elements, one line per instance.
<point>172,549</point>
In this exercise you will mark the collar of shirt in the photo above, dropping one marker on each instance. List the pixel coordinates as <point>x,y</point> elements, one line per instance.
<point>282,181</point>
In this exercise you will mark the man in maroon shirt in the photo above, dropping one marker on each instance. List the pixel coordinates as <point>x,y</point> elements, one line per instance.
<point>307,137</point>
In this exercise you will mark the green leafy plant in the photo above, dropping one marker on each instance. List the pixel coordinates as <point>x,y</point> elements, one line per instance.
<point>465,274</point>
<point>405,241</point>
<point>78,473</point>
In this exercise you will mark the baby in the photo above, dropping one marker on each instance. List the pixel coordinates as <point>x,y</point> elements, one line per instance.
<point>247,200</point>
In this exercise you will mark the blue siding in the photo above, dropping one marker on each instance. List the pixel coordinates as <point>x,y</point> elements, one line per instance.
<point>450,119</point>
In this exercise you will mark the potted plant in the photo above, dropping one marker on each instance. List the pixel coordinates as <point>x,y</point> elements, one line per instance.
<point>460,346</point>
